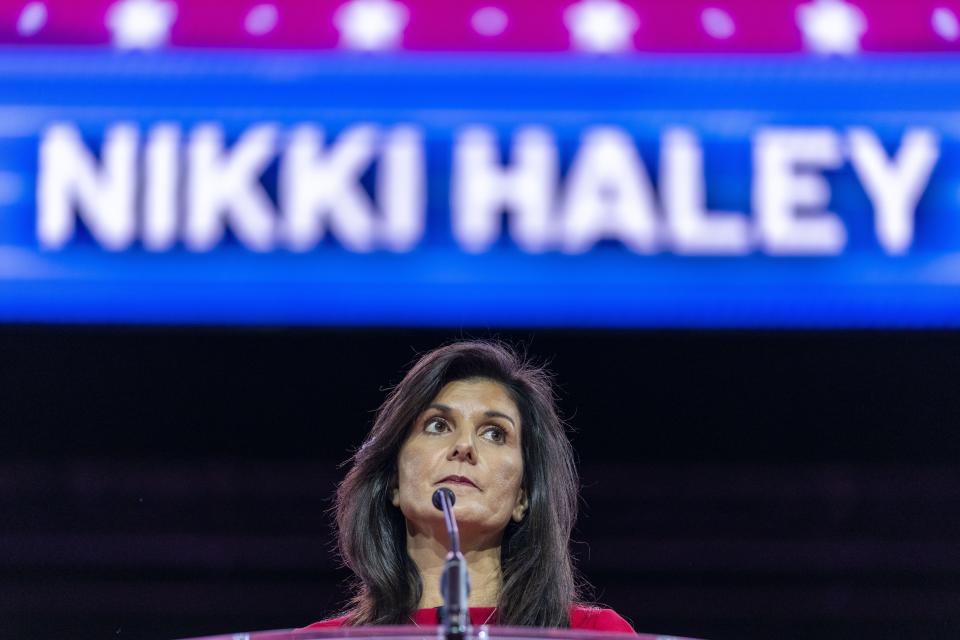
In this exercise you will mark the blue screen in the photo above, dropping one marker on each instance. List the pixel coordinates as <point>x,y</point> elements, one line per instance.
<point>479,190</point>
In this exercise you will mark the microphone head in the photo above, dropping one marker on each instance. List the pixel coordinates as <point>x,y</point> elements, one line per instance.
<point>451,497</point>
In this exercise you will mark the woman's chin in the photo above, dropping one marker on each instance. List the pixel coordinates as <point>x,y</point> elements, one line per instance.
<point>473,523</point>
<point>478,526</point>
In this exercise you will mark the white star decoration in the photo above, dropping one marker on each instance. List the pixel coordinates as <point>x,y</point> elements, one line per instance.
<point>371,25</point>
<point>717,23</point>
<point>945,24</point>
<point>831,26</point>
<point>489,21</point>
<point>32,18</point>
<point>601,26</point>
<point>141,24</point>
<point>261,19</point>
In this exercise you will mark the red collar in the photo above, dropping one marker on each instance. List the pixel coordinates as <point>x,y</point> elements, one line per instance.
<point>478,616</point>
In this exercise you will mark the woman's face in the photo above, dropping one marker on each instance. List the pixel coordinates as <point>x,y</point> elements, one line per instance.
<point>468,440</point>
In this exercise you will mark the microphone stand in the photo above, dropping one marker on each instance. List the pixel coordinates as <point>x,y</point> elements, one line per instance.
<point>455,580</point>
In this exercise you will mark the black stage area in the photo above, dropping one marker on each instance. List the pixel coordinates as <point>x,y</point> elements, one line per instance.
<point>167,482</point>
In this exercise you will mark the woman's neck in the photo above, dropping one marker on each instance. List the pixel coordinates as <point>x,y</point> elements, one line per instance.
<point>483,563</point>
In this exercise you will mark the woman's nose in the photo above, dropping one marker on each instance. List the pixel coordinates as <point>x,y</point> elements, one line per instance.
<point>463,450</point>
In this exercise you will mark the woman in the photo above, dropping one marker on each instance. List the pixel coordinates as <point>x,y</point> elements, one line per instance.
<point>476,418</point>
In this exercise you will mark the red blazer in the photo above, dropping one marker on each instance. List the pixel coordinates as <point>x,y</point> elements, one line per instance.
<point>589,618</point>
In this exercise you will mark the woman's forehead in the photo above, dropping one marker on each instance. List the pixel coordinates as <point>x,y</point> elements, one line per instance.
<point>477,394</point>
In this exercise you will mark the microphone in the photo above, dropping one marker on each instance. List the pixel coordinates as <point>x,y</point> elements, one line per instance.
<point>439,493</point>
<point>455,580</point>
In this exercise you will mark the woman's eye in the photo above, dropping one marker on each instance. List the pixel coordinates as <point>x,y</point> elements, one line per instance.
<point>435,425</point>
<point>495,434</point>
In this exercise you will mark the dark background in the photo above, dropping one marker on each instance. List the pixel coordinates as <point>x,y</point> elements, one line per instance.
<point>166,482</point>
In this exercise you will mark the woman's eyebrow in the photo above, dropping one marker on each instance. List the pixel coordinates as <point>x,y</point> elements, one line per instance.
<point>497,414</point>
<point>489,414</point>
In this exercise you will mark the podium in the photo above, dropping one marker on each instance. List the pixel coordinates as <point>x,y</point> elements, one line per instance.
<point>434,632</point>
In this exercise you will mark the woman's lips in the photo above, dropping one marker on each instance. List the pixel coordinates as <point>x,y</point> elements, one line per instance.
<point>458,480</point>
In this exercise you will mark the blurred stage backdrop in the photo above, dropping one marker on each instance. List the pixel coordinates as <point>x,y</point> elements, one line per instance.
<point>732,226</point>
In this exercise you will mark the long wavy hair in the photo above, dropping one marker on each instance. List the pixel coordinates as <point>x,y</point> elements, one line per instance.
<point>539,581</point>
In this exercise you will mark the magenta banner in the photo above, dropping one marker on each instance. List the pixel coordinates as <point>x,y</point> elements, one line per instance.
<point>588,26</point>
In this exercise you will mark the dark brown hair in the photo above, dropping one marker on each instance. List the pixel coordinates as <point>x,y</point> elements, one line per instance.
<point>539,582</point>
